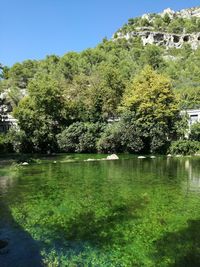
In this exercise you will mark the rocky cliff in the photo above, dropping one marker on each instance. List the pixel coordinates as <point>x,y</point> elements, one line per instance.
<point>169,40</point>
<point>163,37</point>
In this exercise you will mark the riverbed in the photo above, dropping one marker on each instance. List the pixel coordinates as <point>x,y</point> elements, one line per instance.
<point>67,211</point>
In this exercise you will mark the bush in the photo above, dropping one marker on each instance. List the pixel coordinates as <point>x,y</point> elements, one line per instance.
<point>184,147</point>
<point>195,132</point>
<point>20,142</point>
<point>5,144</point>
<point>110,140</point>
<point>80,137</point>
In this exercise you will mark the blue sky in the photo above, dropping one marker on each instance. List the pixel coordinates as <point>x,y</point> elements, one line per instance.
<point>32,29</point>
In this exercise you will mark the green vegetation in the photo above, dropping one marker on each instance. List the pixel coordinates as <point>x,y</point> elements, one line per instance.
<point>107,213</point>
<point>156,22</point>
<point>184,147</point>
<point>69,100</point>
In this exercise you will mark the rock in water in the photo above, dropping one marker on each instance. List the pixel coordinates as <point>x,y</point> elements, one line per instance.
<point>112,157</point>
<point>141,157</point>
<point>25,163</point>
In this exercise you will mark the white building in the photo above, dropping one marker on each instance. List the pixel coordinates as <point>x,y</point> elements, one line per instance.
<point>193,115</point>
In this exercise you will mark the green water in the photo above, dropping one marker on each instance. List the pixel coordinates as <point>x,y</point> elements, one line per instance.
<point>129,212</point>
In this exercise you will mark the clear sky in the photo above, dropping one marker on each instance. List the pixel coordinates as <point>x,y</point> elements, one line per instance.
<point>32,29</point>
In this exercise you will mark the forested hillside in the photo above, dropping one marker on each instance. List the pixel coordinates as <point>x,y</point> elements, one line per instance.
<point>65,103</point>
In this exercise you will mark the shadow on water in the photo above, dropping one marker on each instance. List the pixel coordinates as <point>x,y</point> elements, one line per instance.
<point>102,231</point>
<point>17,247</point>
<point>182,247</point>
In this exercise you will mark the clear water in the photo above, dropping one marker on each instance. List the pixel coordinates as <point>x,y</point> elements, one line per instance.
<point>128,212</point>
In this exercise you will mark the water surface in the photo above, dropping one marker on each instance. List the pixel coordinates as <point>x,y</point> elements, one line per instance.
<point>129,212</point>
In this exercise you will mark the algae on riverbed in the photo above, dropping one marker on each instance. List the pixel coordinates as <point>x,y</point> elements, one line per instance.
<point>128,212</point>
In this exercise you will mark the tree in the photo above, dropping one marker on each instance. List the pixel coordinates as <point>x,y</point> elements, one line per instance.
<point>151,98</point>
<point>42,113</point>
<point>152,56</point>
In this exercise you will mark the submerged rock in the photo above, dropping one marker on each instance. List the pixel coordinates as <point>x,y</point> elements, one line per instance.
<point>112,157</point>
<point>3,247</point>
<point>3,244</point>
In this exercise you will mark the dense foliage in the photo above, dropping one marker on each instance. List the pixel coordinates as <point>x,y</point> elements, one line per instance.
<point>163,23</point>
<point>184,147</point>
<point>144,86</point>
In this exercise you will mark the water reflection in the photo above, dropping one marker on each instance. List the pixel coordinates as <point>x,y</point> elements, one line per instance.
<point>108,204</point>
<point>192,169</point>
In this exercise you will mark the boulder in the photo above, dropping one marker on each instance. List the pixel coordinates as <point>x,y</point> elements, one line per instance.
<point>152,157</point>
<point>141,157</point>
<point>112,157</point>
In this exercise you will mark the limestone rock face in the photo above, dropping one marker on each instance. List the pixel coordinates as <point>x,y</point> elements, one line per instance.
<point>169,40</point>
<point>184,13</point>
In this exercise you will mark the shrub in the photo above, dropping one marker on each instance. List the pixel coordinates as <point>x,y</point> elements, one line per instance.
<point>110,140</point>
<point>5,145</point>
<point>195,132</point>
<point>19,141</point>
<point>184,147</point>
<point>80,137</point>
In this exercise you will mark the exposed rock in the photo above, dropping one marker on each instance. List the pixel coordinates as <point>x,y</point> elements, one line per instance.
<point>141,157</point>
<point>25,163</point>
<point>152,157</point>
<point>169,12</point>
<point>112,157</point>
<point>170,40</point>
<point>169,155</point>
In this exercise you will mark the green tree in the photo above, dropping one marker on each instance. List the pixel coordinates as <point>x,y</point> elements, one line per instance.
<point>42,113</point>
<point>151,98</point>
<point>153,57</point>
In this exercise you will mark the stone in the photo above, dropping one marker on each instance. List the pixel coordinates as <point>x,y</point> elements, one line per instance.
<point>141,157</point>
<point>169,40</point>
<point>152,157</point>
<point>112,157</point>
<point>169,155</point>
<point>25,163</point>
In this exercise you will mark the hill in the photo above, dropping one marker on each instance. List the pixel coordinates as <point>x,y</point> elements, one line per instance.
<point>85,90</point>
